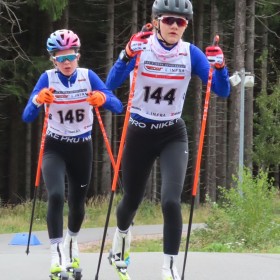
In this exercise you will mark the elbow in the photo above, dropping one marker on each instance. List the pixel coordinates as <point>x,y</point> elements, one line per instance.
<point>118,109</point>
<point>111,85</point>
<point>28,117</point>
<point>222,90</point>
<point>24,118</point>
<point>111,82</point>
<point>225,93</point>
<point>114,105</point>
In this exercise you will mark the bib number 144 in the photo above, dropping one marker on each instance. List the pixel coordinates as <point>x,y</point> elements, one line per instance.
<point>158,96</point>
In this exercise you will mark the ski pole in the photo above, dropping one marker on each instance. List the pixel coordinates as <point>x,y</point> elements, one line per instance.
<point>146,27</point>
<point>108,147</point>
<point>38,173</point>
<point>106,140</point>
<point>199,155</point>
<point>117,166</point>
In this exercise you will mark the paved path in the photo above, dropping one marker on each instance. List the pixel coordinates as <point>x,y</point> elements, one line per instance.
<point>16,265</point>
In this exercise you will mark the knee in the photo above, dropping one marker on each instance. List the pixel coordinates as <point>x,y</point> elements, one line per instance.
<point>55,199</point>
<point>129,205</point>
<point>78,208</point>
<point>170,206</point>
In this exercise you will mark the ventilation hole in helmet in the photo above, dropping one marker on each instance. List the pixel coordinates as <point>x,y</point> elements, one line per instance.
<point>166,2</point>
<point>59,43</point>
<point>177,3</point>
<point>67,42</point>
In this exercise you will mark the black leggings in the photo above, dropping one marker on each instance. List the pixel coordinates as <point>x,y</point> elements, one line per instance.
<point>73,160</point>
<point>142,147</point>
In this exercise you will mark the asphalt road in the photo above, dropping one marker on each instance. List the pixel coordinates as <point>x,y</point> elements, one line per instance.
<point>16,265</point>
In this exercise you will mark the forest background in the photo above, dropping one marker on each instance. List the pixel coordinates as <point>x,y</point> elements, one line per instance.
<point>249,36</point>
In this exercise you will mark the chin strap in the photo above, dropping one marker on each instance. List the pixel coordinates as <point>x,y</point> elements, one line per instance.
<point>162,39</point>
<point>167,44</point>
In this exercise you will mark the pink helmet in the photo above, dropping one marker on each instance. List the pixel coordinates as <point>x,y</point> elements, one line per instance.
<point>63,39</point>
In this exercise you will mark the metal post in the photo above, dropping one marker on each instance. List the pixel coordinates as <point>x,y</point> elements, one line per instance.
<point>241,136</point>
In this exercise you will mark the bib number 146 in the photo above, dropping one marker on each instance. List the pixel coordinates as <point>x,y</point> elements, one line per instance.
<point>71,116</point>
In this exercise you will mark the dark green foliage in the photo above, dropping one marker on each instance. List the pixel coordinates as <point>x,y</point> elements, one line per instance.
<point>267,126</point>
<point>245,220</point>
<point>24,58</point>
<point>21,75</point>
<point>55,8</point>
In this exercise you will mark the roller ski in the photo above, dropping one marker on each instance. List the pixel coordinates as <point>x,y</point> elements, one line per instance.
<point>120,267</point>
<point>74,271</point>
<point>72,257</point>
<point>58,274</point>
<point>119,255</point>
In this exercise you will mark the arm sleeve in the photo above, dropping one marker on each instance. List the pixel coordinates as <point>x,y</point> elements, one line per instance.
<point>119,73</point>
<point>31,111</point>
<point>112,103</point>
<point>200,67</point>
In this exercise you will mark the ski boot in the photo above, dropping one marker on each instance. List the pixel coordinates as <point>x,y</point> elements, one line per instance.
<point>169,270</point>
<point>119,255</point>
<point>72,257</point>
<point>57,270</point>
<point>120,267</point>
<point>74,269</point>
<point>58,274</point>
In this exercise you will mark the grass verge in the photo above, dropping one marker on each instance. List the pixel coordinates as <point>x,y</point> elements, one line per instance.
<point>246,220</point>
